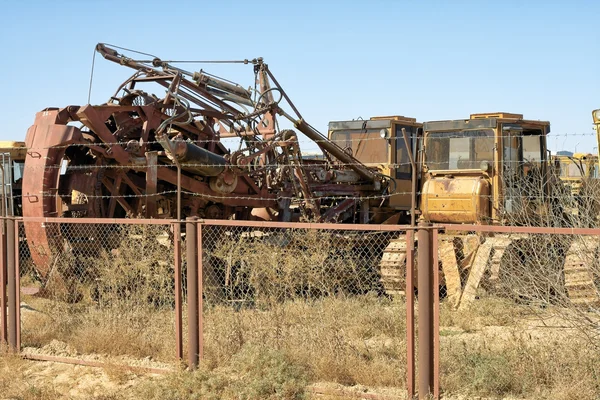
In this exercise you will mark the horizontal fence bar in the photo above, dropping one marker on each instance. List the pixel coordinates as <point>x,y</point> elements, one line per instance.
<point>317,226</point>
<point>308,225</point>
<point>520,229</point>
<point>96,364</point>
<point>350,394</point>
<point>127,221</point>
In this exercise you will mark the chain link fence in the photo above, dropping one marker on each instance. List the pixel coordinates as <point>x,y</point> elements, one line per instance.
<point>104,290</point>
<point>323,298</point>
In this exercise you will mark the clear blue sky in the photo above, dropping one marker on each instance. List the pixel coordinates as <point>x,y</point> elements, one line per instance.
<point>337,59</point>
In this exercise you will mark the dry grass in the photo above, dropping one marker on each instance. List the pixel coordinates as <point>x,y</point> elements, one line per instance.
<point>519,366</point>
<point>115,331</point>
<point>14,383</point>
<point>486,311</point>
<point>349,341</point>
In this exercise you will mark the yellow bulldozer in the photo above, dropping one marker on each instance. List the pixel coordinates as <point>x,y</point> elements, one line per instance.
<point>491,168</point>
<point>575,169</point>
<point>579,175</point>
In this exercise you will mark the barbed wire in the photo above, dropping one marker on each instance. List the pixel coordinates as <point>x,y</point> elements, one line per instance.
<point>298,198</point>
<point>299,141</point>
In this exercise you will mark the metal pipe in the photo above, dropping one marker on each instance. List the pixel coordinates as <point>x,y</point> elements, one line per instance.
<point>98,364</point>
<point>410,315</point>
<point>425,288</point>
<point>436,315</point>
<point>178,305</point>
<point>192,291</point>
<point>3,320</point>
<point>202,78</point>
<point>413,165</point>
<point>178,192</point>
<point>192,157</point>
<point>17,284</point>
<point>12,284</point>
<point>4,205</point>
<point>266,68</point>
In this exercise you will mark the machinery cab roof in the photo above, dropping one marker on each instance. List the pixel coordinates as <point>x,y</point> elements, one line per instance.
<point>484,120</point>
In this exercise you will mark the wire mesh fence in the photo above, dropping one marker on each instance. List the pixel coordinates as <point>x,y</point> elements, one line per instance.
<point>103,290</point>
<point>317,296</point>
<point>521,314</point>
<point>252,266</point>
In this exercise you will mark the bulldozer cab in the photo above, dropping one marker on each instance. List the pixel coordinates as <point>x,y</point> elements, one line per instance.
<point>486,169</point>
<point>379,142</point>
<point>12,161</point>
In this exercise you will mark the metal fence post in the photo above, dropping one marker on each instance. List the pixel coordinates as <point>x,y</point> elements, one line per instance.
<point>178,305</point>
<point>200,292</point>
<point>192,291</point>
<point>12,284</point>
<point>3,320</point>
<point>425,290</point>
<point>17,267</point>
<point>436,313</point>
<point>410,315</point>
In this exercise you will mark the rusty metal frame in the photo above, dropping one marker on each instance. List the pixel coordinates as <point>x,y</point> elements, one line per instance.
<point>200,288</point>
<point>96,364</point>
<point>18,284</point>
<point>108,221</point>
<point>425,321</point>
<point>192,292</point>
<point>436,314</point>
<point>309,225</point>
<point>13,320</point>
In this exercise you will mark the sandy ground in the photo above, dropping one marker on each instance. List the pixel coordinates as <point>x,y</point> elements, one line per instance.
<point>77,381</point>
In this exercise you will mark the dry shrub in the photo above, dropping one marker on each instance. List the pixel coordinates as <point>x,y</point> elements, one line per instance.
<point>485,311</point>
<point>345,340</point>
<point>520,366</point>
<point>252,374</point>
<point>124,298</point>
<point>270,266</point>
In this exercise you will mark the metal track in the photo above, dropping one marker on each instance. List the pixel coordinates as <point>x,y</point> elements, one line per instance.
<point>393,267</point>
<point>579,280</point>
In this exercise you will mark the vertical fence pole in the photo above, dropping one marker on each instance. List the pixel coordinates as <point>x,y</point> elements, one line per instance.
<point>436,315</point>
<point>200,293</point>
<point>410,315</point>
<point>12,284</point>
<point>178,306</point>
<point>3,320</point>
<point>192,291</point>
<point>425,288</point>
<point>17,284</point>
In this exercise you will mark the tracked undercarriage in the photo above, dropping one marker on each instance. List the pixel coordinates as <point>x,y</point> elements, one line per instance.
<point>503,264</point>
